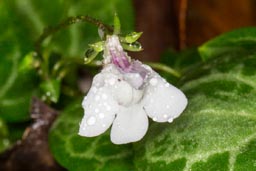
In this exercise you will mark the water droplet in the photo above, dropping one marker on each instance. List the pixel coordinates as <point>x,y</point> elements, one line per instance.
<point>103,125</point>
<point>101,115</point>
<point>98,63</point>
<point>83,128</point>
<point>97,98</point>
<point>104,96</point>
<point>118,125</point>
<point>165,116</point>
<point>154,119</point>
<point>108,108</point>
<point>170,120</point>
<point>153,81</point>
<point>91,120</point>
<point>48,93</point>
<point>111,81</point>
<point>167,85</point>
<point>96,110</point>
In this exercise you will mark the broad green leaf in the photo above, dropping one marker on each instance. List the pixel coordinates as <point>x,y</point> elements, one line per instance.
<point>180,61</point>
<point>78,153</point>
<point>238,41</point>
<point>17,82</point>
<point>218,129</point>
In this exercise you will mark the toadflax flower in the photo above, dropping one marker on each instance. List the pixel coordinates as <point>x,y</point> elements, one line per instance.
<point>124,94</point>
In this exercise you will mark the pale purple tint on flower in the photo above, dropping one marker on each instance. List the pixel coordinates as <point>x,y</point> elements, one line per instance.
<point>138,68</point>
<point>120,60</point>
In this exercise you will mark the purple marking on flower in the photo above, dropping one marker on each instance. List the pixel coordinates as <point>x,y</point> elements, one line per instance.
<point>120,60</point>
<point>137,67</point>
<point>123,63</point>
<point>134,67</point>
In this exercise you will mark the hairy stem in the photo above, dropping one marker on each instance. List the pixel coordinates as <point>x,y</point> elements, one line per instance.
<point>69,21</point>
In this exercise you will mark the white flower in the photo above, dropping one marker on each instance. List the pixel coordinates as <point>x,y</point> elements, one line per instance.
<point>124,94</point>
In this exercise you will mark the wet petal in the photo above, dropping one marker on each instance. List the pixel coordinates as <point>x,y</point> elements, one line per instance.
<point>99,109</point>
<point>130,125</point>
<point>162,101</point>
<point>122,92</point>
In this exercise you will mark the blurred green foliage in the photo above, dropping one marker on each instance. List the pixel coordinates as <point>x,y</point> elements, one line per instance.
<point>22,22</point>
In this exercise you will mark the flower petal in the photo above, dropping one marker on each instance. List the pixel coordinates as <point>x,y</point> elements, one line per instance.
<point>162,101</point>
<point>130,125</point>
<point>100,109</point>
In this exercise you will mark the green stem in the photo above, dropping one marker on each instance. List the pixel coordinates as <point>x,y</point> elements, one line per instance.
<point>69,21</point>
<point>165,68</point>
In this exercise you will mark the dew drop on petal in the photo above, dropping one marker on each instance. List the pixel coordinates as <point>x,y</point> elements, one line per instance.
<point>97,98</point>
<point>103,125</point>
<point>153,81</point>
<point>170,120</point>
<point>167,85</point>
<point>137,75</point>
<point>154,119</point>
<point>108,108</point>
<point>101,116</point>
<point>96,110</point>
<point>91,120</point>
<point>104,96</point>
<point>165,116</point>
<point>111,81</point>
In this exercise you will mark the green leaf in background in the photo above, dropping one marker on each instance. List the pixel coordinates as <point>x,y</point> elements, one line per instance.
<point>51,89</point>
<point>181,61</point>
<point>217,132</point>
<point>78,153</point>
<point>72,41</point>
<point>21,24</point>
<point>17,81</point>
<point>241,41</point>
<point>4,141</point>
